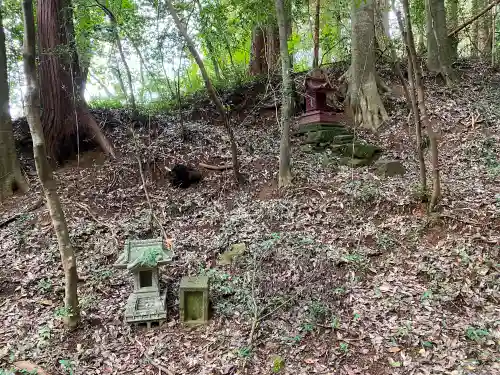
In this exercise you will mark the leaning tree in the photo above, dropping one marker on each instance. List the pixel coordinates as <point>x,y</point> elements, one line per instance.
<point>11,178</point>
<point>363,97</point>
<point>66,117</point>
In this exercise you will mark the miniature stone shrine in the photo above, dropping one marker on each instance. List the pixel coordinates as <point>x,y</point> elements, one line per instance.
<point>193,300</point>
<point>142,258</point>
<point>317,111</point>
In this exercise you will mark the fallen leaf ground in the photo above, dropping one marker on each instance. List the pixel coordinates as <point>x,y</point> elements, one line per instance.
<point>344,272</point>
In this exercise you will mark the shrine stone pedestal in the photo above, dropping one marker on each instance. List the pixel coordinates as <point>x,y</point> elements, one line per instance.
<point>193,300</point>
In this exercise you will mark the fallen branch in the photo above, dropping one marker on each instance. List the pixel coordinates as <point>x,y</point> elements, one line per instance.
<point>215,167</point>
<point>474,18</point>
<point>9,220</point>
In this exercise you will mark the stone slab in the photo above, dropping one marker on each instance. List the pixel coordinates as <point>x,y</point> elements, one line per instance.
<point>193,300</point>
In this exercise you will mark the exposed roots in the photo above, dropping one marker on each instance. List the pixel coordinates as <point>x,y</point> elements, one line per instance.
<point>365,102</point>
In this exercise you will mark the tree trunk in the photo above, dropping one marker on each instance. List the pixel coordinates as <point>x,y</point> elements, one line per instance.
<point>316,35</point>
<point>11,178</point>
<point>63,110</point>
<point>452,24</point>
<point>407,35</point>
<point>285,176</point>
<point>272,44</point>
<point>72,313</point>
<point>118,41</point>
<point>258,63</point>
<point>475,30</point>
<point>417,73</point>
<point>484,37</point>
<point>210,88</point>
<point>382,20</point>
<point>438,46</point>
<point>363,97</point>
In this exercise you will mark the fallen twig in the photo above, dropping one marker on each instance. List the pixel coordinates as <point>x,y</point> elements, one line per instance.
<point>216,167</point>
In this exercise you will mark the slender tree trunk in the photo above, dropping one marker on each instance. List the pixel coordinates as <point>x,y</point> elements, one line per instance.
<point>72,316</point>
<point>452,24</point>
<point>101,84</point>
<point>485,23</point>
<point>316,35</point>
<point>11,178</point>
<point>475,31</point>
<point>363,97</point>
<point>407,34</point>
<point>417,73</point>
<point>438,46</point>
<point>208,43</point>
<point>285,176</point>
<point>118,41</point>
<point>210,88</point>
<point>65,116</point>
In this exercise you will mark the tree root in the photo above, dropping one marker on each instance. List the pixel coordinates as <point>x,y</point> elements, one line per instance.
<point>366,104</point>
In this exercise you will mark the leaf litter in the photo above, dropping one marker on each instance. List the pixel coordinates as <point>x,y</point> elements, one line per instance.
<point>343,274</point>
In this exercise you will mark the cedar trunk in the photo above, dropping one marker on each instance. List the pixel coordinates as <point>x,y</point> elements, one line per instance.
<point>363,97</point>
<point>72,313</point>
<point>65,115</point>
<point>11,178</point>
<point>285,176</point>
<point>452,24</point>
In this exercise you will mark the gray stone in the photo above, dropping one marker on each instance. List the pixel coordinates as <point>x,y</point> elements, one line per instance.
<point>321,126</point>
<point>356,150</point>
<point>389,168</point>
<point>354,162</point>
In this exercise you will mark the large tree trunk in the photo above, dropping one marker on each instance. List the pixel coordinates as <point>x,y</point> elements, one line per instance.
<point>285,176</point>
<point>72,313</point>
<point>272,44</point>
<point>210,88</point>
<point>11,178</point>
<point>438,46</point>
<point>363,97</point>
<point>65,114</point>
<point>257,53</point>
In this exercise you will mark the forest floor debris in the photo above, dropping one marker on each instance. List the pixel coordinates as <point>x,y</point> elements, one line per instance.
<point>343,272</point>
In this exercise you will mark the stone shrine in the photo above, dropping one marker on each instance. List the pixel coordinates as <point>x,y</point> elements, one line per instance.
<point>142,258</point>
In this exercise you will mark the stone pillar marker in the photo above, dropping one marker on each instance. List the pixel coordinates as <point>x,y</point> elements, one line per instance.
<point>142,258</point>
<point>193,300</point>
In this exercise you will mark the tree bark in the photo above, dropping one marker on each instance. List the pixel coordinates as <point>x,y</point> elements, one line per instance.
<point>11,178</point>
<point>65,116</point>
<point>316,35</point>
<point>452,24</point>
<point>485,37</point>
<point>407,34</point>
<point>258,63</point>
<point>272,45</point>
<point>210,88</point>
<point>363,97</point>
<point>285,176</point>
<point>438,46</point>
<point>118,41</point>
<point>72,313</point>
<point>417,73</point>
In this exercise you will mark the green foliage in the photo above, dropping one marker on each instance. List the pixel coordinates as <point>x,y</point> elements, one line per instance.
<point>476,334</point>
<point>278,364</point>
<point>150,258</point>
<point>44,285</point>
<point>68,366</point>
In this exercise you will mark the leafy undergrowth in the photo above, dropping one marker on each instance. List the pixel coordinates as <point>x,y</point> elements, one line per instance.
<point>344,270</point>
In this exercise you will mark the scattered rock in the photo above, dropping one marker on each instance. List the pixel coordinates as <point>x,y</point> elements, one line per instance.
<point>354,162</point>
<point>389,168</point>
<point>227,257</point>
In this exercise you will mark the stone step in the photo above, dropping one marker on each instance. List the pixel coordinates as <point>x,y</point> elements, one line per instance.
<point>321,126</point>
<point>356,150</point>
<point>327,136</point>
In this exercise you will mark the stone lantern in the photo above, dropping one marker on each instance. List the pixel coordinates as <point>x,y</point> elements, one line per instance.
<point>142,258</point>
